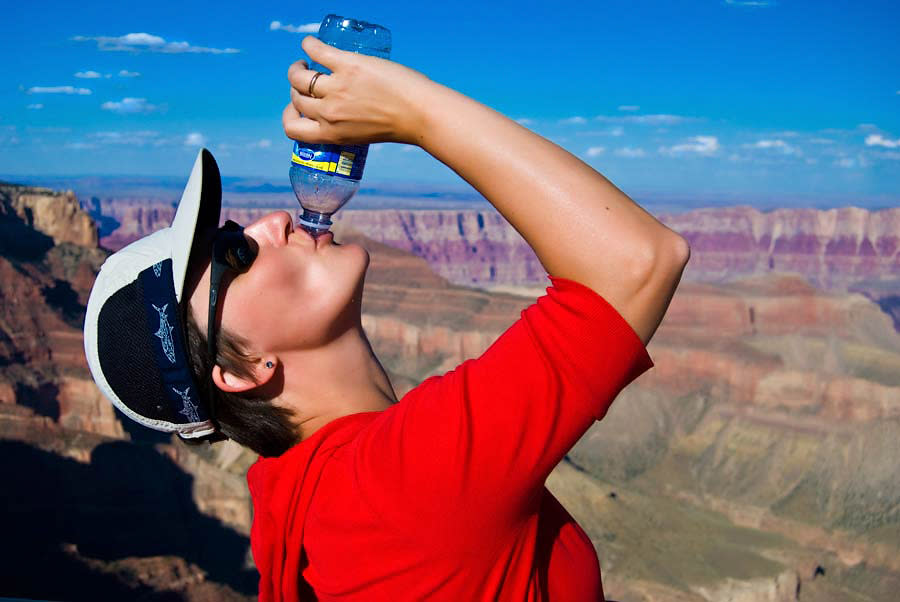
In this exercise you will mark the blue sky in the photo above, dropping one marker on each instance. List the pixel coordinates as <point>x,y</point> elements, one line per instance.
<point>741,100</point>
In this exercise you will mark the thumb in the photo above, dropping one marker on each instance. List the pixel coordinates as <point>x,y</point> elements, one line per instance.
<point>320,52</point>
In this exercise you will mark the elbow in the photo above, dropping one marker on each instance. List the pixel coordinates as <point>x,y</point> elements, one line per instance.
<point>676,251</point>
<point>668,252</point>
<point>665,260</point>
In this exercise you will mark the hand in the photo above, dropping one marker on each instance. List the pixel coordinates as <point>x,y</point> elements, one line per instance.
<point>365,99</point>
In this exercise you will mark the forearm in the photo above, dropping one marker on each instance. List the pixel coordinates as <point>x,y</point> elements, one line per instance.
<point>579,224</point>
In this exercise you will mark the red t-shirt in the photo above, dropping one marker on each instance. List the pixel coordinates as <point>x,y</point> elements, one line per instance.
<point>441,496</point>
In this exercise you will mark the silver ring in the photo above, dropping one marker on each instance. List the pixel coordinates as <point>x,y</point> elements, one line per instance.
<point>312,83</point>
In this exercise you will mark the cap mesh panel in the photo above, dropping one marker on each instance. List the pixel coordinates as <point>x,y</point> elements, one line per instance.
<point>127,358</point>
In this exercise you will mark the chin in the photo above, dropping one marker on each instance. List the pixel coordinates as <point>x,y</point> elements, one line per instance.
<point>362,256</point>
<point>360,259</point>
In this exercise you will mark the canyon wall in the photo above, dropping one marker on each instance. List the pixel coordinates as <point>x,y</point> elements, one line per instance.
<point>755,461</point>
<point>847,249</point>
<point>108,515</point>
<point>834,249</point>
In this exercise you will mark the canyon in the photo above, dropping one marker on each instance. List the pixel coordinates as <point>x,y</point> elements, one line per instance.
<point>846,249</point>
<point>754,462</point>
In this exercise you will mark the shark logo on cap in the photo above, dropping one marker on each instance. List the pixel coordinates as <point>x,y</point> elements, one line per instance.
<point>189,410</point>
<point>165,332</point>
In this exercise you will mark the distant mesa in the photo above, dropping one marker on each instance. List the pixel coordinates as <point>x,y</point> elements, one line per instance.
<point>755,461</point>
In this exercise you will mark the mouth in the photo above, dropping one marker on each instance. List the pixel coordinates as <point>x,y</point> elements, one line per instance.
<point>324,240</point>
<point>318,242</point>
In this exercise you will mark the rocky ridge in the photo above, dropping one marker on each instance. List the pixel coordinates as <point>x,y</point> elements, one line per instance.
<point>757,452</point>
<point>79,483</point>
<point>846,249</point>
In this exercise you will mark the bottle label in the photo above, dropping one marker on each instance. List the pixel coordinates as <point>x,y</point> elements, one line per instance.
<point>341,161</point>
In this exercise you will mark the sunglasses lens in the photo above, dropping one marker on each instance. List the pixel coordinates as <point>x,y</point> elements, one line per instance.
<point>233,248</point>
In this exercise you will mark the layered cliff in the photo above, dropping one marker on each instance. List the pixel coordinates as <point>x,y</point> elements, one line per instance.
<point>49,259</point>
<point>55,214</point>
<point>108,518</point>
<point>836,249</point>
<point>754,462</point>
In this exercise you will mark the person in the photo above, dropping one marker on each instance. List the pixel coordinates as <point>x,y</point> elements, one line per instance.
<point>356,495</point>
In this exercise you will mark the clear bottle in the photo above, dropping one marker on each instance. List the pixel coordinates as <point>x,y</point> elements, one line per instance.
<point>325,176</point>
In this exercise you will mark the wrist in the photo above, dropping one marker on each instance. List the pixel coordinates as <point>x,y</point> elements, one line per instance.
<point>424,112</point>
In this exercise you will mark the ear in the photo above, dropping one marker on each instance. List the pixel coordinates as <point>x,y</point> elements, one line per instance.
<point>232,383</point>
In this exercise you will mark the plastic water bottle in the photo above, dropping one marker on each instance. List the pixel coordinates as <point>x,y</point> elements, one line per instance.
<point>325,176</point>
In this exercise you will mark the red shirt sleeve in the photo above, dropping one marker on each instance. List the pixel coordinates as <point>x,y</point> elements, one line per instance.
<point>481,439</point>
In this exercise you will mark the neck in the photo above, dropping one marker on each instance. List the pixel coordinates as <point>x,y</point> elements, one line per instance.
<point>340,379</point>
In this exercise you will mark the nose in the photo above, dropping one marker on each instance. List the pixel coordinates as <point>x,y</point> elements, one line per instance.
<point>272,228</point>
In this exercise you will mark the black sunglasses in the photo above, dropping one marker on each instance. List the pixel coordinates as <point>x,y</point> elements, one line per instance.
<point>234,252</point>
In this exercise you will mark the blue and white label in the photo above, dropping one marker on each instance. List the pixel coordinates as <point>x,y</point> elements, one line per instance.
<point>335,159</point>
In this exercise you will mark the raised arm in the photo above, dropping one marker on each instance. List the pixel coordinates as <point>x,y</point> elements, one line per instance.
<point>579,224</point>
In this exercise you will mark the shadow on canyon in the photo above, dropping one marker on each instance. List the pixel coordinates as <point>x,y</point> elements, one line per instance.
<point>62,517</point>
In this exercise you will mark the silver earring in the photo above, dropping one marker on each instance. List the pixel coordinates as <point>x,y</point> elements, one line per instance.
<point>270,365</point>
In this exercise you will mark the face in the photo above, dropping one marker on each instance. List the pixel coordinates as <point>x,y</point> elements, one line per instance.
<point>298,294</point>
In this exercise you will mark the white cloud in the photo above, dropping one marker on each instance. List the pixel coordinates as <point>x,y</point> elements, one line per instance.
<point>656,119</point>
<point>629,108</point>
<point>195,139</point>
<point>35,107</point>
<point>821,141</point>
<point>779,145</point>
<point>264,143</point>
<point>129,105</point>
<point>595,150</point>
<point>702,145</point>
<point>126,73</point>
<point>573,120</point>
<point>89,75</point>
<point>145,42</point>
<point>306,28</point>
<point>57,90</point>
<point>133,138</point>
<point>631,152</point>
<point>525,121</point>
<point>617,130</point>
<point>851,162</point>
<point>879,140</point>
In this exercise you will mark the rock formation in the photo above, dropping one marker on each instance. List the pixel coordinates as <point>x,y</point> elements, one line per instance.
<point>836,249</point>
<point>754,462</point>
<point>109,519</point>
<point>56,214</point>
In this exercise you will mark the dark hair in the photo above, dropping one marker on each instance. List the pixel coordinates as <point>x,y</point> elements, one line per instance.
<point>254,422</point>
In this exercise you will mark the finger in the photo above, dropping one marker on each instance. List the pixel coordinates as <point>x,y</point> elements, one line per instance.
<point>297,127</point>
<point>301,78</point>
<point>305,105</point>
<point>322,53</point>
<point>296,71</point>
